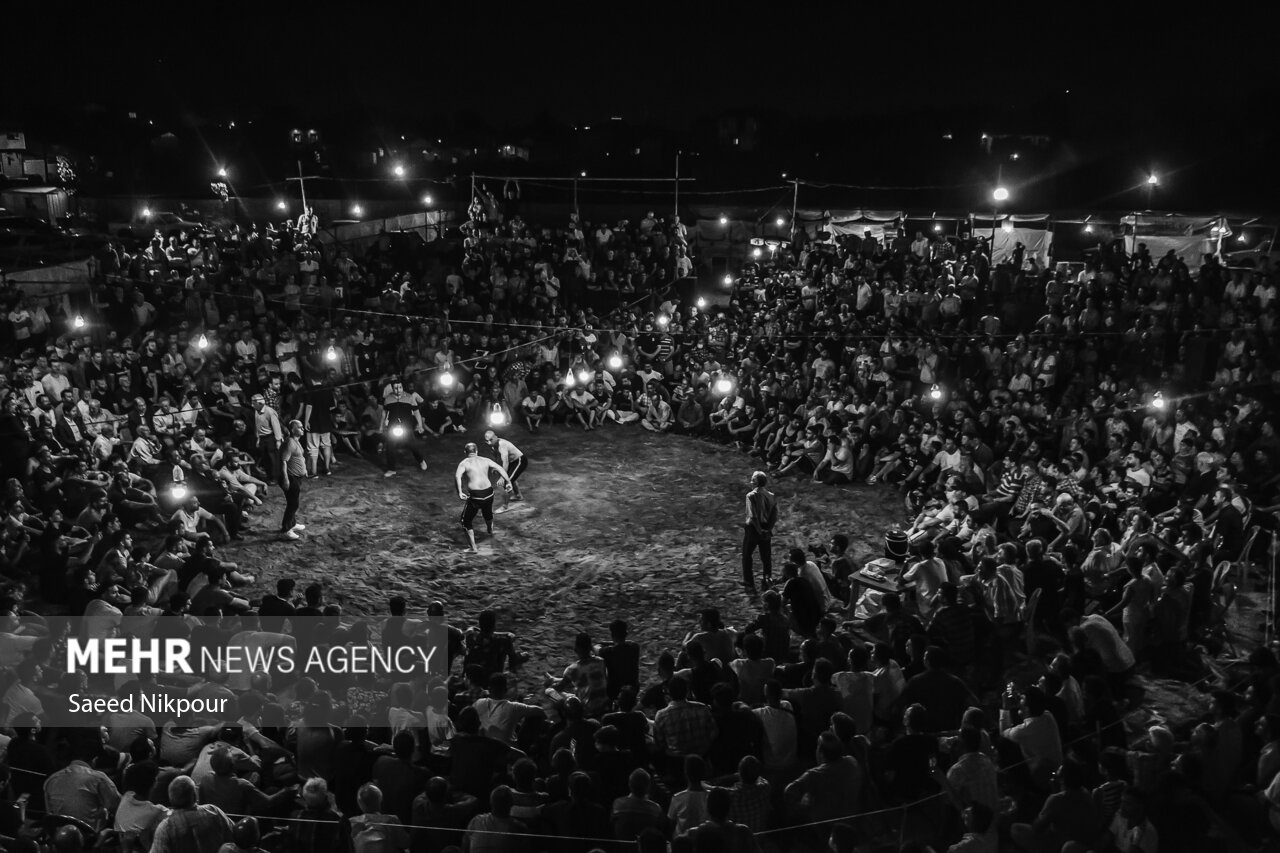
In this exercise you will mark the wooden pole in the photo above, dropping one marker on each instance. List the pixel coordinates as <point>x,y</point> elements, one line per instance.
<point>795,203</point>
<point>302,185</point>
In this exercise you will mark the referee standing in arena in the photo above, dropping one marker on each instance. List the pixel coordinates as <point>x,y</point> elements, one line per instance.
<point>762,515</point>
<point>293,470</point>
<point>512,460</point>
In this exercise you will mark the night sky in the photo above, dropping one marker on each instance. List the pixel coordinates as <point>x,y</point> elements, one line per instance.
<point>663,63</point>
<point>1119,92</point>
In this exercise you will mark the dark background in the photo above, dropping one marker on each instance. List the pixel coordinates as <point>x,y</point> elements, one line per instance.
<point>1090,99</point>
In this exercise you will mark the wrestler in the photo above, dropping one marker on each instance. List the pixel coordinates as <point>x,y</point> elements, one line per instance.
<point>511,458</point>
<point>475,488</point>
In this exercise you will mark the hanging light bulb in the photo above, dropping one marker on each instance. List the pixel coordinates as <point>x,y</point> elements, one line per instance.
<point>497,417</point>
<point>728,280</point>
<point>446,379</point>
<point>615,362</point>
<point>662,321</point>
<point>569,381</point>
<point>584,377</point>
<point>203,342</point>
<point>779,222</point>
<point>755,253</point>
<point>1088,228</point>
<point>78,322</point>
<point>724,385</point>
<point>331,354</point>
<point>179,491</point>
<point>935,392</point>
<point>397,431</point>
<point>702,302</point>
<point>1157,401</point>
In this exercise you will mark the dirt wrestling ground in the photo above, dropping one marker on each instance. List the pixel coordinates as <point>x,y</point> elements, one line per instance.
<point>616,523</point>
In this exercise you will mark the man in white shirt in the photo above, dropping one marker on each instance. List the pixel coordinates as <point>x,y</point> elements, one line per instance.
<point>56,381</point>
<point>779,721</point>
<point>1036,734</point>
<point>499,716</point>
<point>1103,637</point>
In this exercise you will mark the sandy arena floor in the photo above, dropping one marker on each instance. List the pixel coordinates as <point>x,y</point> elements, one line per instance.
<point>616,523</point>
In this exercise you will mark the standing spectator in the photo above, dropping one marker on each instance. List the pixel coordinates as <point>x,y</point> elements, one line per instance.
<point>762,515</point>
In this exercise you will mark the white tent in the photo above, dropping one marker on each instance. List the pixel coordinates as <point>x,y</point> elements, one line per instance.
<point>1188,237</point>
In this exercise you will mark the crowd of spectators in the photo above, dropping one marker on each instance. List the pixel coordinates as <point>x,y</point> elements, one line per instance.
<point>1086,459</point>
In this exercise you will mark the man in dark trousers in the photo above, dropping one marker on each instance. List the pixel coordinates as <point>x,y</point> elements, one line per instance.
<point>762,515</point>
<point>293,470</point>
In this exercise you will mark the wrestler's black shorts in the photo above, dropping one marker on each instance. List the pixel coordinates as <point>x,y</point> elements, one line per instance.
<point>479,502</point>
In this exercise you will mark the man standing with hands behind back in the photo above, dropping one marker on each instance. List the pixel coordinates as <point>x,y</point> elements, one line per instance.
<point>293,470</point>
<point>762,515</point>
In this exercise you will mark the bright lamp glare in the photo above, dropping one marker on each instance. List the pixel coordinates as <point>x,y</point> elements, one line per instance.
<point>779,222</point>
<point>1157,402</point>
<point>724,385</point>
<point>755,253</point>
<point>663,320</point>
<point>935,392</point>
<point>79,321</point>
<point>397,431</point>
<point>724,220</point>
<point>728,280</point>
<point>583,376</point>
<point>356,210</point>
<point>497,418</point>
<point>1088,229</point>
<point>178,491</point>
<point>399,171</point>
<point>222,173</point>
<point>569,381</point>
<point>203,342</point>
<point>1152,180</point>
<point>937,227</point>
<point>280,205</point>
<point>702,302</point>
<point>331,354</point>
<point>1001,194</point>
<point>615,362</point>
<point>146,213</point>
<point>446,379</point>
<point>426,199</point>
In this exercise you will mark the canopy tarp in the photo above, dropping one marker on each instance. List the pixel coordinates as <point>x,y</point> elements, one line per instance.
<point>1036,241</point>
<point>1190,238</point>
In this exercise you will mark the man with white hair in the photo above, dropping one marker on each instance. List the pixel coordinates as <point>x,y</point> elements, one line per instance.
<point>372,830</point>
<point>191,826</point>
